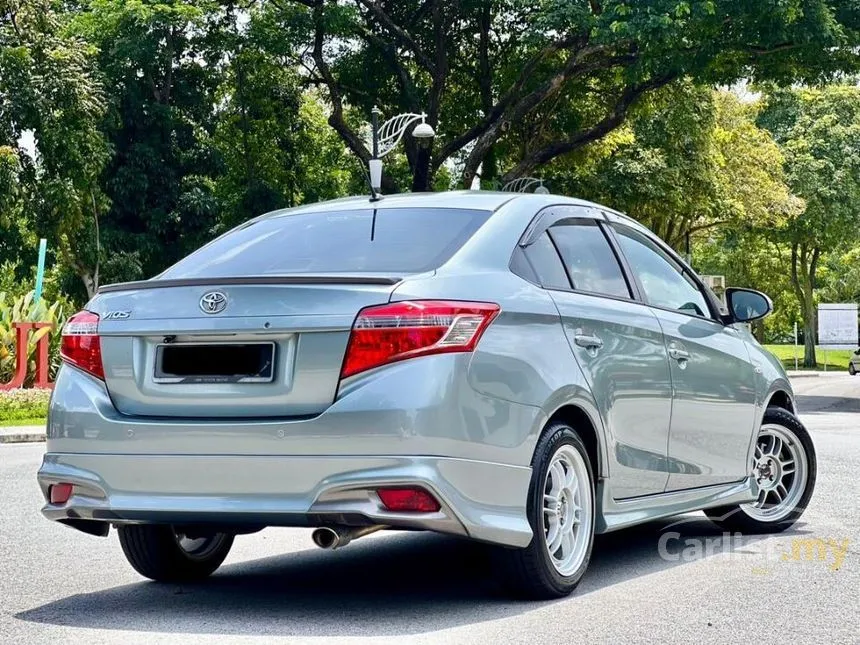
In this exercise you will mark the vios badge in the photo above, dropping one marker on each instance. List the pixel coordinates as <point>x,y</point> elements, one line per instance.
<point>213,302</point>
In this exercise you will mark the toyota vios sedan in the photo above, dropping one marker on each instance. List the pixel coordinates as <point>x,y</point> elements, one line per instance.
<point>522,370</point>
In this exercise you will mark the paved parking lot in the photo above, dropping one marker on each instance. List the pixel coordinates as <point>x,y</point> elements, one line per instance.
<point>693,585</point>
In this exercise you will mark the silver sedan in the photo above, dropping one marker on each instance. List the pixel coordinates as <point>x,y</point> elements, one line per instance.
<point>522,370</point>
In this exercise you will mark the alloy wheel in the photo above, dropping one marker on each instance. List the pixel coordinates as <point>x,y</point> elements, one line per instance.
<point>780,469</point>
<point>567,510</point>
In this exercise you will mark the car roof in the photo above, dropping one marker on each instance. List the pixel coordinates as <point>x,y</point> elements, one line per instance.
<point>467,199</point>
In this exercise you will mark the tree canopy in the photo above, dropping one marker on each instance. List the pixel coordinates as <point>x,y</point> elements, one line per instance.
<point>132,131</point>
<point>555,74</point>
<point>818,129</point>
<point>50,89</point>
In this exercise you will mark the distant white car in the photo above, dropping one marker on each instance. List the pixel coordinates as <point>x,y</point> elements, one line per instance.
<point>854,363</point>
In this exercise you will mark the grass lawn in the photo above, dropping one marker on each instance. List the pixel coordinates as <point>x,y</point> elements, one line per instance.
<point>837,359</point>
<point>23,422</point>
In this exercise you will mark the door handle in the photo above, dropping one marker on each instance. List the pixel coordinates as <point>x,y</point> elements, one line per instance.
<point>679,354</point>
<point>588,342</point>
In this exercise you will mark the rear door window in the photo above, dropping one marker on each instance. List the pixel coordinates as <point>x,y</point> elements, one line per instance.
<point>589,259</point>
<point>396,240</point>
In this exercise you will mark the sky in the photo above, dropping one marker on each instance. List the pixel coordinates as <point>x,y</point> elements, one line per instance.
<point>27,143</point>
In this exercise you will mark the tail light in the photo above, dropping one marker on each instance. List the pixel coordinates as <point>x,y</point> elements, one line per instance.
<point>80,345</point>
<point>400,330</point>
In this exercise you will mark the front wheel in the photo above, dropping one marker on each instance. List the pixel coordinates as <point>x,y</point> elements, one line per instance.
<point>561,514</point>
<point>784,468</point>
<point>851,369</point>
<point>165,554</point>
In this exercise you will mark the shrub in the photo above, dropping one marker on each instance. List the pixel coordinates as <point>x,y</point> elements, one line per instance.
<point>19,405</point>
<point>23,309</point>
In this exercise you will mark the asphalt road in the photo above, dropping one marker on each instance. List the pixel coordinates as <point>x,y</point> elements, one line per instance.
<point>59,586</point>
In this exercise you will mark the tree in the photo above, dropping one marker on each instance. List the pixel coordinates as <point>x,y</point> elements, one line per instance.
<point>818,130</point>
<point>749,258</point>
<point>271,134</point>
<point>209,126</point>
<point>841,273</point>
<point>161,64</point>
<point>687,161</point>
<point>567,71</point>
<point>48,87</point>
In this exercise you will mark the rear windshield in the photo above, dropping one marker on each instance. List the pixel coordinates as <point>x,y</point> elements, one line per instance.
<point>397,240</point>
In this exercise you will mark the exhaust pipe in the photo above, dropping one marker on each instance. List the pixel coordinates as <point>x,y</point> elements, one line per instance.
<point>335,537</point>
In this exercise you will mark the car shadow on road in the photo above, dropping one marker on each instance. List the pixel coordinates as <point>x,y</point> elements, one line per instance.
<point>403,584</point>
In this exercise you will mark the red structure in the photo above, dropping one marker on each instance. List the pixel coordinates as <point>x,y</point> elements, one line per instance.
<point>22,337</point>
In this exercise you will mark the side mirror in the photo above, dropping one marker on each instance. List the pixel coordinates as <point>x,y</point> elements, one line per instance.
<point>746,305</point>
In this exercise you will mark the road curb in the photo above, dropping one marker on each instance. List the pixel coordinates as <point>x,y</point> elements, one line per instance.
<point>803,374</point>
<point>22,437</point>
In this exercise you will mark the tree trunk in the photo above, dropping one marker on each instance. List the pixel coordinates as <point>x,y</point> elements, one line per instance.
<point>809,358</point>
<point>89,284</point>
<point>95,276</point>
<point>804,265</point>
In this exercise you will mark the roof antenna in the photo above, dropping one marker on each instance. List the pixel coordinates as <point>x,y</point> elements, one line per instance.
<point>374,164</point>
<point>374,196</point>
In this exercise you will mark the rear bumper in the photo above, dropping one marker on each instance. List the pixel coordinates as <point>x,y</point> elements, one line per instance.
<point>420,407</point>
<point>481,500</point>
<point>418,422</point>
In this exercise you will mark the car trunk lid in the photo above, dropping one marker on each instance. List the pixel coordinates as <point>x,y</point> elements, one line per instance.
<point>221,348</point>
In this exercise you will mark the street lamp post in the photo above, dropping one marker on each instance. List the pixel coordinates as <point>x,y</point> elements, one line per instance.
<point>388,135</point>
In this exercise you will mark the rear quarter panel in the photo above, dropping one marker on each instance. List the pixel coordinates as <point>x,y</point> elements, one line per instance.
<point>523,357</point>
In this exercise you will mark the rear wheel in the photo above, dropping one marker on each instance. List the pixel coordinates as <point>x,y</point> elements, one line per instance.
<point>784,467</point>
<point>164,554</point>
<point>561,514</point>
<point>851,369</point>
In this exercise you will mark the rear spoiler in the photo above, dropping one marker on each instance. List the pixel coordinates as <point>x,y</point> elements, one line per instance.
<point>263,279</point>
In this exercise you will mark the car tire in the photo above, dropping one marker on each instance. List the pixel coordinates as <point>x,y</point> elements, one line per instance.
<point>158,552</point>
<point>767,515</point>
<point>851,369</point>
<point>532,572</point>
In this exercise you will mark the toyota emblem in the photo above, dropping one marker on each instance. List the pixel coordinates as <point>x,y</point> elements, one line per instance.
<point>213,302</point>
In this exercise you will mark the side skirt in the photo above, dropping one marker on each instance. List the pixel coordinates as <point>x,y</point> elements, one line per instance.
<point>614,514</point>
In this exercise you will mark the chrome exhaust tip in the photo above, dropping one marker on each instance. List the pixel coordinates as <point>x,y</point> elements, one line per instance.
<point>335,537</point>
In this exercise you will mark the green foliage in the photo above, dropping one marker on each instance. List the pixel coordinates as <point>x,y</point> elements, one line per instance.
<point>162,63</point>
<point>23,406</point>
<point>818,130</point>
<point>49,88</point>
<point>749,259</point>
<point>514,85</point>
<point>160,123</point>
<point>209,125</point>
<point>688,160</point>
<point>841,277</point>
<point>24,309</point>
<point>822,159</point>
